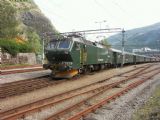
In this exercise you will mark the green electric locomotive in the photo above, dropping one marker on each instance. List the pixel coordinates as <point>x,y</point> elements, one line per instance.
<point>73,54</point>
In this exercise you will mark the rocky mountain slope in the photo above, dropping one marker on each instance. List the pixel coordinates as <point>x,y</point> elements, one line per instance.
<point>148,36</point>
<point>23,20</point>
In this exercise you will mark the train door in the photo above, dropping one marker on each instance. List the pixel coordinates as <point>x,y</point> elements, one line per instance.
<point>114,58</point>
<point>134,59</point>
<point>83,54</point>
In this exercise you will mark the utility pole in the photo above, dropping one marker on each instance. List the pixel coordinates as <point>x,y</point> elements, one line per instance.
<point>123,56</point>
<point>43,45</point>
<point>158,43</point>
<point>0,56</point>
<point>43,52</point>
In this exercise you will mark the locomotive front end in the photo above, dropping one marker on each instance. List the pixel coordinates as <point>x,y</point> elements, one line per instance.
<point>58,54</point>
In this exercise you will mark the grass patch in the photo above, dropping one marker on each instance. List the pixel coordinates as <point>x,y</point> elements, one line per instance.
<point>151,110</point>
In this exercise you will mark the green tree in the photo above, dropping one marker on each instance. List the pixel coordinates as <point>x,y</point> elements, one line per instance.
<point>34,41</point>
<point>8,20</point>
<point>105,43</point>
<point>12,47</point>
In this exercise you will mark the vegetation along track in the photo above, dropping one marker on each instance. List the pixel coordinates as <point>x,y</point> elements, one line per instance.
<point>87,92</point>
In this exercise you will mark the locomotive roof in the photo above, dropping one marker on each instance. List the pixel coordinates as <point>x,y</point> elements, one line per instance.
<point>87,42</point>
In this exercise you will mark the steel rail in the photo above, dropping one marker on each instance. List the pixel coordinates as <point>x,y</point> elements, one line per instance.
<point>26,86</point>
<point>56,115</point>
<point>10,89</point>
<point>108,99</point>
<point>32,107</point>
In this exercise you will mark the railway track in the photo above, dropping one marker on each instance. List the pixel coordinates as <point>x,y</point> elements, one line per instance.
<point>85,93</point>
<point>108,93</point>
<point>20,87</point>
<point>24,86</point>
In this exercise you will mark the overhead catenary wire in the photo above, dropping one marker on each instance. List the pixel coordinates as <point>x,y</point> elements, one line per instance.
<point>123,10</point>
<point>105,10</point>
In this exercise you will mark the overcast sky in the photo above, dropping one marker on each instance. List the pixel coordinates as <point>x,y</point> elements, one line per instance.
<point>69,15</point>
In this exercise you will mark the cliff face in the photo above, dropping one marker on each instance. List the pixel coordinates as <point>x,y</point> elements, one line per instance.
<point>30,19</point>
<point>33,18</point>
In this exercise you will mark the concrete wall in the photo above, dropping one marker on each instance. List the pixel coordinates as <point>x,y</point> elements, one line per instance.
<point>21,58</point>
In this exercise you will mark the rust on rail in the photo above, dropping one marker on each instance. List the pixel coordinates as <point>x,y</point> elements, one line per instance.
<point>34,107</point>
<point>94,107</point>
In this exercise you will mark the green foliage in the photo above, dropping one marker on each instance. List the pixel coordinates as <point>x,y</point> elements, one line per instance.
<point>8,20</point>
<point>105,43</point>
<point>12,47</point>
<point>151,110</point>
<point>23,48</point>
<point>22,18</point>
<point>34,41</point>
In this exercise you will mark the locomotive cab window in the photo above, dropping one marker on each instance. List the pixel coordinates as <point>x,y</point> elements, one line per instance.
<point>52,44</point>
<point>64,44</point>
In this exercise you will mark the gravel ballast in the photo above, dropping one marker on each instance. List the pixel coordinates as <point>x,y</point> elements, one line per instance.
<point>40,94</point>
<point>124,107</point>
<point>118,110</point>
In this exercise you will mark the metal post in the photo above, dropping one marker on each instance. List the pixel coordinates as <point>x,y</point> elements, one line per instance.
<point>123,56</point>
<point>43,50</point>
<point>158,43</point>
<point>0,55</point>
<point>158,54</point>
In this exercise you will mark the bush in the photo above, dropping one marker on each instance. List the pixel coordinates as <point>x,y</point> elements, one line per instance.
<point>34,41</point>
<point>12,47</point>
